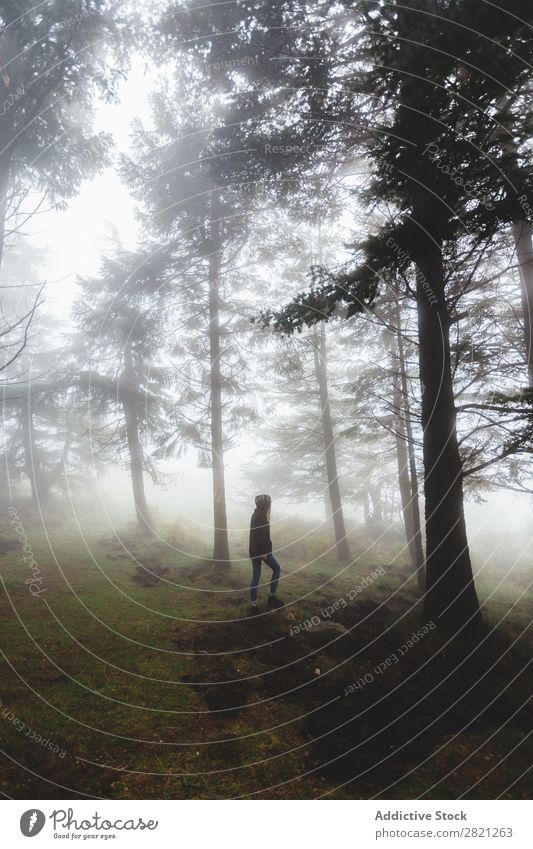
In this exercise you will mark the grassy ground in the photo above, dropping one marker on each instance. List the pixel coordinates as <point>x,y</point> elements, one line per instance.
<point>160,686</point>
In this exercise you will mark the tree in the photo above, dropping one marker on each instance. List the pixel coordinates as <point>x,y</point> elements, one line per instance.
<point>332,473</point>
<point>405,446</point>
<point>405,83</point>
<point>303,456</point>
<point>126,388</point>
<point>54,60</point>
<point>425,155</point>
<point>197,231</point>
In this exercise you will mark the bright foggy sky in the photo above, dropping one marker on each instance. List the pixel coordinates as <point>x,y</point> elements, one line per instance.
<point>75,240</point>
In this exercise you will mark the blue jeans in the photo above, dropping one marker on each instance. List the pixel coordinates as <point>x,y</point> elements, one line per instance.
<point>271,561</point>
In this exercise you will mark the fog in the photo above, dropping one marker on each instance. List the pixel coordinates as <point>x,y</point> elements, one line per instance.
<point>276,444</point>
<point>266,359</point>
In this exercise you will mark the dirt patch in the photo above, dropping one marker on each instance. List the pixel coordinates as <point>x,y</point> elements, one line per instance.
<point>218,683</point>
<point>375,733</point>
<point>149,574</point>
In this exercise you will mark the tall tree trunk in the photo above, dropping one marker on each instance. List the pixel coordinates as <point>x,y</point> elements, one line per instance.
<point>136,467</point>
<point>366,507</point>
<point>337,514</point>
<point>377,505</point>
<point>451,597</point>
<point>522,235</point>
<point>130,404</point>
<point>221,555</point>
<point>390,506</point>
<point>412,534</point>
<point>416,548</point>
<point>5,171</point>
<point>31,454</point>
<point>523,239</point>
<point>6,137</point>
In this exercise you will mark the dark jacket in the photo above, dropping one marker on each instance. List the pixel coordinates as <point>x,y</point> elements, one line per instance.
<point>260,544</point>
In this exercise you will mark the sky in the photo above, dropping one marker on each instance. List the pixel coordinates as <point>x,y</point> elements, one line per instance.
<point>73,240</point>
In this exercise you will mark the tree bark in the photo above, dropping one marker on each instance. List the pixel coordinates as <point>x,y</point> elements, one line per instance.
<point>404,479</point>
<point>5,171</point>
<point>221,555</point>
<point>31,456</point>
<point>377,505</point>
<point>136,468</point>
<point>129,387</point>
<point>451,597</point>
<point>416,548</point>
<point>523,239</point>
<point>366,507</point>
<point>522,235</point>
<point>6,137</point>
<point>335,500</point>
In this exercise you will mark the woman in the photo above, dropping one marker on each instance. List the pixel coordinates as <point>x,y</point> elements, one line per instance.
<point>261,550</point>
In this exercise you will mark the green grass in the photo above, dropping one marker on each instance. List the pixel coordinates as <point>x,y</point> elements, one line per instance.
<point>108,670</point>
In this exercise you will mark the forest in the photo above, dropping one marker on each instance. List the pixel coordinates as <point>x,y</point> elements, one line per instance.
<point>276,248</point>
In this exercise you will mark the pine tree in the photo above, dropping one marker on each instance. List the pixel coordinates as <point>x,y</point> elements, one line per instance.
<point>54,58</point>
<point>121,371</point>
<point>197,229</point>
<point>433,108</point>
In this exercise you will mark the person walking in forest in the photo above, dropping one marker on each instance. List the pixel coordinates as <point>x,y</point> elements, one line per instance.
<point>261,551</point>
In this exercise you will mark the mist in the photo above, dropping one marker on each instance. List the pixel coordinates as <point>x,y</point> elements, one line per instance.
<point>266,274</point>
